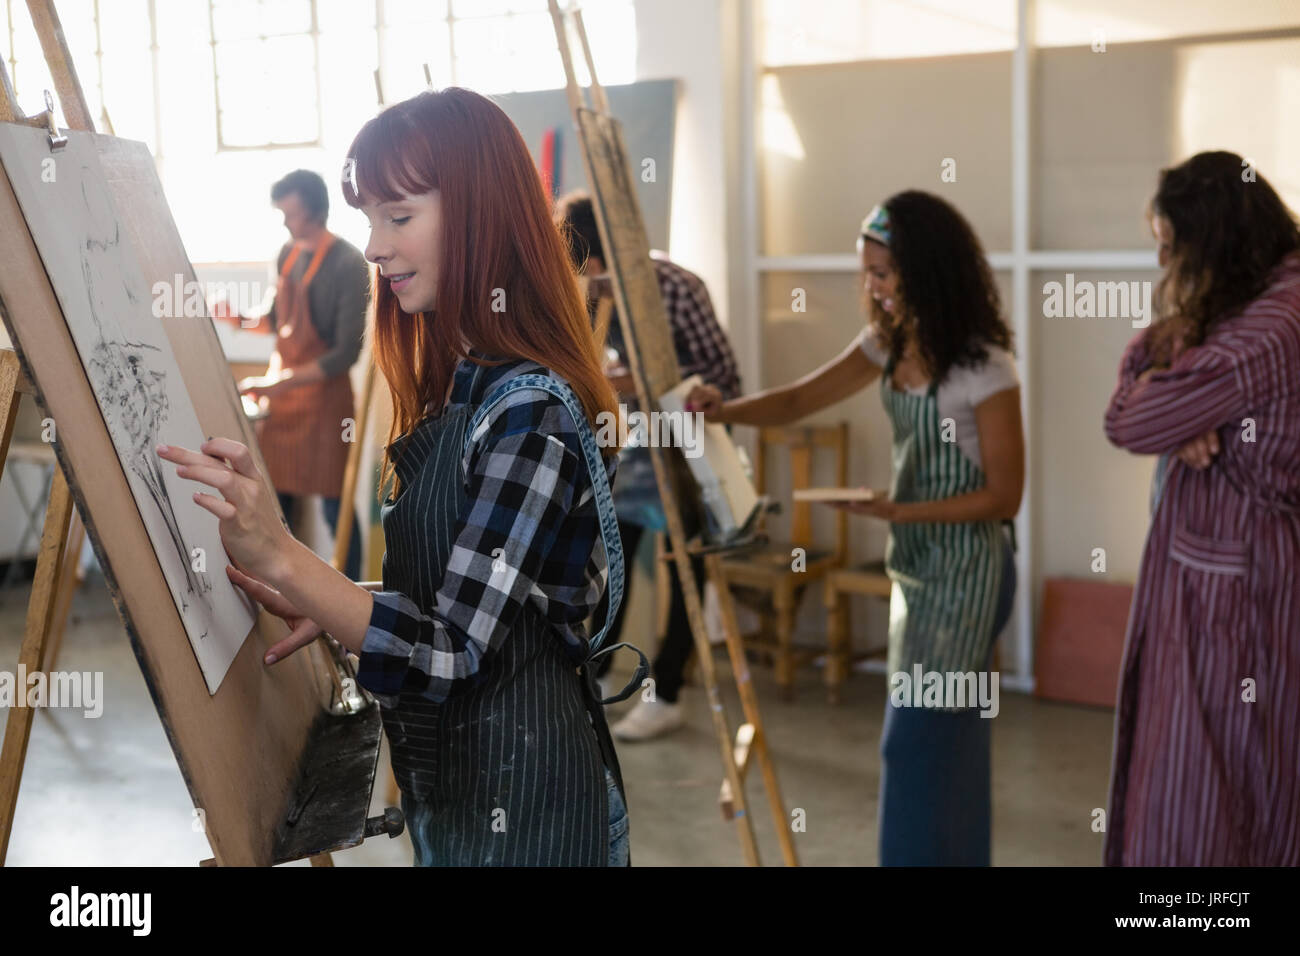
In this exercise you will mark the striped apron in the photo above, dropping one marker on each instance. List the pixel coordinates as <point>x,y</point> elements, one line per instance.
<point>510,770</point>
<point>935,805</point>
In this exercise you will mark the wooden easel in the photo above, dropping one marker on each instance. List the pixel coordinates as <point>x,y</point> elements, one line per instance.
<point>55,564</point>
<point>654,368</point>
<point>335,812</point>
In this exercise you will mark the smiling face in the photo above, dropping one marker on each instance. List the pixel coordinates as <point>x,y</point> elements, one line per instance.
<point>406,244</point>
<point>881,275</point>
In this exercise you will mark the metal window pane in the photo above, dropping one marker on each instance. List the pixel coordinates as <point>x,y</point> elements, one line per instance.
<point>267,91</point>
<point>245,19</point>
<point>406,50</point>
<point>397,12</point>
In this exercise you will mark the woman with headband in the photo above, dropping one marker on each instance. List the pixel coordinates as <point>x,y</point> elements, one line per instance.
<point>500,528</point>
<point>936,338</point>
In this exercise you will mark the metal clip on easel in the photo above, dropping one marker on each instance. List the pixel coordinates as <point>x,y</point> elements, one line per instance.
<point>57,139</point>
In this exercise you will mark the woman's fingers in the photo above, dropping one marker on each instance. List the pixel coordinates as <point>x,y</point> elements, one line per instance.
<point>1199,452</point>
<point>216,476</point>
<point>240,458</point>
<point>218,506</point>
<point>180,455</point>
<point>302,635</point>
<point>263,594</point>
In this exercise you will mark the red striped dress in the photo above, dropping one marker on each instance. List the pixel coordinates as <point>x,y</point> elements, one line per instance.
<point>1207,734</point>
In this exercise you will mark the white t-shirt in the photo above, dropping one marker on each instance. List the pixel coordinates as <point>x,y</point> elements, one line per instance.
<point>963,389</point>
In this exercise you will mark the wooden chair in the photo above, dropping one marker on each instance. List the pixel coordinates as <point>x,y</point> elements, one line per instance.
<point>771,570</point>
<point>869,579</point>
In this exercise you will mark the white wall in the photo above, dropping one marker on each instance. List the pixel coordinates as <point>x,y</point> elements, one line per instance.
<point>683,40</point>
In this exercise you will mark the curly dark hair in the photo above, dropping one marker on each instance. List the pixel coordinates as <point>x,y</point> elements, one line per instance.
<point>1230,231</point>
<point>946,287</point>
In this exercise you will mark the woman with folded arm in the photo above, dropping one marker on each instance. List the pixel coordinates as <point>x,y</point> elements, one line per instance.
<point>1207,744</point>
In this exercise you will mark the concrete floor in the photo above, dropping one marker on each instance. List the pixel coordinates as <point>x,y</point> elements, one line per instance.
<point>107,791</point>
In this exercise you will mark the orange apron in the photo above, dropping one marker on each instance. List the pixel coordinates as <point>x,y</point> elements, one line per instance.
<point>302,436</point>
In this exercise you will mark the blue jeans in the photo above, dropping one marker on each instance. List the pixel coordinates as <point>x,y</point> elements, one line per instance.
<point>936,805</point>
<point>618,824</point>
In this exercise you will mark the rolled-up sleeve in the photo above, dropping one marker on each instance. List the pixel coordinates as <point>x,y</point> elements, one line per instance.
<point>521,486</point>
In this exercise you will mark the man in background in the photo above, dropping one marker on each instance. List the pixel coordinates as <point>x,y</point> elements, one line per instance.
<point>702,348</point>
<point>318,319</point>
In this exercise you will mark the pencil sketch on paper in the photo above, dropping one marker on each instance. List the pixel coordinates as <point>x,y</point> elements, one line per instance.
<point>132,393</point>
<point>98,279</point>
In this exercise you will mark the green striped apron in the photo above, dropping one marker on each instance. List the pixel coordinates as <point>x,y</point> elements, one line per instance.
<point>945,575</point>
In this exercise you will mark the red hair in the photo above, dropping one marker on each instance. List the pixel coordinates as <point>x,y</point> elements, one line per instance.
<point>497,234</point>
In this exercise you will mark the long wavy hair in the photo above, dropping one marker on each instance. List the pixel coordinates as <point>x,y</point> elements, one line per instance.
<point>1230,230</point>
<point>497,233</point>
<point>947,294</point>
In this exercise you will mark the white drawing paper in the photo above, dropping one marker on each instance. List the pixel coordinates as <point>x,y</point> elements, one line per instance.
<point>106,301</point>
<point>724,486</point>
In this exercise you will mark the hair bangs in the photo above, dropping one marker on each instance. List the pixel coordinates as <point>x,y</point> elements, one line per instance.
<point>386,160</point>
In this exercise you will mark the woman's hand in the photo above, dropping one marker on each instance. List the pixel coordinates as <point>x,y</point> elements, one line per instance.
<point>1200,451</point>
<point>303,630</point>
<point>706,399</point>
<point>880,506</point>
<point>250,528</point>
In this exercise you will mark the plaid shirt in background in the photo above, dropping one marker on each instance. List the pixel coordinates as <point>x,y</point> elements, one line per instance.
<point>529,494</point>
<point>702,347</point>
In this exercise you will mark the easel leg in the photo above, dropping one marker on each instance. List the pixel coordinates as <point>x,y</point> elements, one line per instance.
<point>69,580</point>
<point>40,615</point>
<point>749,703</point>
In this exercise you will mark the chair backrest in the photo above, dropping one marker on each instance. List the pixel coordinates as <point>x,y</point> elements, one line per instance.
<point>801,442</point>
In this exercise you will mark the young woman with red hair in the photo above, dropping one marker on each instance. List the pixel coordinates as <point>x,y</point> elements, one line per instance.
<point>500,531</point>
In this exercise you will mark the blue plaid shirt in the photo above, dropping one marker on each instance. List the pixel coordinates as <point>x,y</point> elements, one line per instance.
<point>531,497</point>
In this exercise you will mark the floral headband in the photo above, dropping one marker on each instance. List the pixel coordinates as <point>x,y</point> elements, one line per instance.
<point>876,226</point>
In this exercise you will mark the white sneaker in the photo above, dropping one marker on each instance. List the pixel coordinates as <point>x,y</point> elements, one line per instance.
<point>649,719</point>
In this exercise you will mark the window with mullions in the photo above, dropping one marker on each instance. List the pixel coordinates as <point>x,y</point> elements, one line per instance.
<point>266,65</point>
<point>496,46</point>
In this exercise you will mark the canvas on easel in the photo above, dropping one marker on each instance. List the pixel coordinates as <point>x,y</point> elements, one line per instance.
<point>135,378</point>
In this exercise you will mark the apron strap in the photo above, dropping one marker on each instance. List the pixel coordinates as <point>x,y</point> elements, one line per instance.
<point>289,260</point>
<point>595,466</point>
<point>316,259</point>
<point>642,671</point>
<point>326,242</point>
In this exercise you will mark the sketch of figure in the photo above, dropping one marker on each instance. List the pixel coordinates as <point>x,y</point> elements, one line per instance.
<point>137,410</point>
<point>133,397</point>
